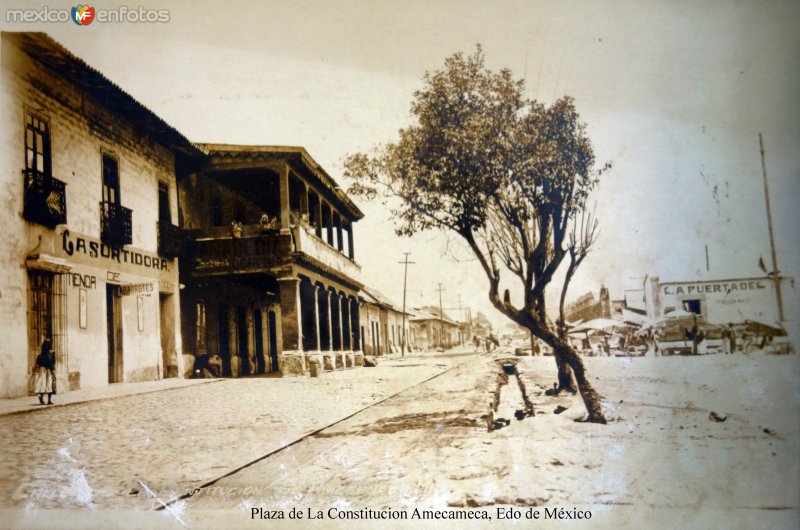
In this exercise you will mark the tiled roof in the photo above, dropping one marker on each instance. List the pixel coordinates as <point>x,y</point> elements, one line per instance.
<point>45,50</point>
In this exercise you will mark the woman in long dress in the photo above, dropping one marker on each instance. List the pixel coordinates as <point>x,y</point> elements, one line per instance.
<point>44,373</point>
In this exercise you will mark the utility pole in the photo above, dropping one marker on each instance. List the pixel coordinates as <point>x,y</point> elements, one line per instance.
<point>441,315</point>
<point>775,274</point>
<point>460,319</point>
<point>405,279</point>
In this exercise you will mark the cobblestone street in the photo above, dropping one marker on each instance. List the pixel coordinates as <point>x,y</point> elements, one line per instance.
<point>337,444</point>
<point>123,452</point>
<point>429,448</point>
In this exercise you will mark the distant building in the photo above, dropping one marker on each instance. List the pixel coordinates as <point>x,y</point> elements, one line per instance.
<point>587,307</point>
<point>382,324</point>
<point>719,301</point>
<point>481,326</point>
<point>429,330</point>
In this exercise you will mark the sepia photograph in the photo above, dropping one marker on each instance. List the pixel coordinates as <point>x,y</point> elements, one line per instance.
<point>373,264</point>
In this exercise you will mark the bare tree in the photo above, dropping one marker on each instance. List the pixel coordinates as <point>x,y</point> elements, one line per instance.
<point>581,239</point>
<point>507,174</point>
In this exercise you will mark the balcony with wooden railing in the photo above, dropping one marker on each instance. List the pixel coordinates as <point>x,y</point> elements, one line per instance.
<point>225,250</point>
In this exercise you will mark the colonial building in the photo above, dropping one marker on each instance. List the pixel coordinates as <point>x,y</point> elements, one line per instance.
<point>139,253</point>
<point>382,324</point>
<point>87,256</point>
<point>271,281</point>
<point>587,307</point>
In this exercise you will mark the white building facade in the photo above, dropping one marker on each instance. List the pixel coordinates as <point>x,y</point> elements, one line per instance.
<point>88,179</point>
<point>720,301</point>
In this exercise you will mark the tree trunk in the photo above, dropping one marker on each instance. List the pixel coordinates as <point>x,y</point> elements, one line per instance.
<point>591,399</point>
<point>565,381</point>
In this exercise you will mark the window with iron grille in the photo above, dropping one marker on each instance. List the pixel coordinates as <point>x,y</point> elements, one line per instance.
<point>47,315</point>
<point>45,197</point>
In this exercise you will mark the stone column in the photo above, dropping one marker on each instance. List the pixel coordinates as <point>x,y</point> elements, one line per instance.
<point>330,320</point>
<point>341,322</point>
<point>355,325</point>
<point>331,356</point>
<point>233,344</point>
<point>291,326</point>
<point>252,367</point>
<point>316,315</point>
<point>324,319</point>
<point>318,354</point>
<point>336,326</point>
<point>347,332</point>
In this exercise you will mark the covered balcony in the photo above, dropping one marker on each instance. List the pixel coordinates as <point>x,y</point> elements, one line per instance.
<point>308,245</point>
<point>239,249</point>
<point>257,208</point>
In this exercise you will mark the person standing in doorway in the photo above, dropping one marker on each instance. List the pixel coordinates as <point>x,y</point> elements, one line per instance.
<point>44,373</point>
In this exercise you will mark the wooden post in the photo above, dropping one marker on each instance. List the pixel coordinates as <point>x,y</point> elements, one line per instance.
<point>775,273</point>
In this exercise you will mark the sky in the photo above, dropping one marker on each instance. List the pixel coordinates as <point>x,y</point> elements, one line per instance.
<point>674,95</point>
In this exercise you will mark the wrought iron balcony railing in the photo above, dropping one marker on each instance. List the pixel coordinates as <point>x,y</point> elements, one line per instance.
<point>115,224</point>
<point>45,200</point>
<point>170,239</point>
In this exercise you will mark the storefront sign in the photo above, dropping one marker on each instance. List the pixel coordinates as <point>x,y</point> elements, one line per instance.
<point>714,287</point>
<point>96,249</point>
<point>139,288</point>
<point>87,281</point>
